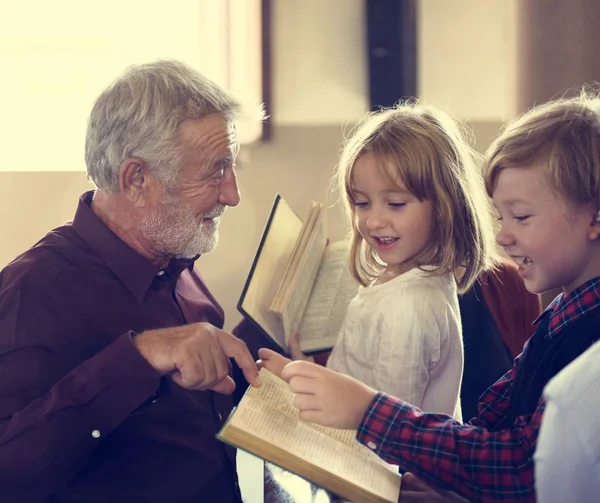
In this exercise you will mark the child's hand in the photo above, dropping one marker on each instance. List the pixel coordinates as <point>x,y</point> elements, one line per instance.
<point>327,397</point>
<point>295,351</point>
<point>272,361</point>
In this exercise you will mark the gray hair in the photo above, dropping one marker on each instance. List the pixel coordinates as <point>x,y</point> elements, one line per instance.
<point>138,116</point>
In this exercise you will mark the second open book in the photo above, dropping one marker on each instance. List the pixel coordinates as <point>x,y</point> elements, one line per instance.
<point>298,280</point>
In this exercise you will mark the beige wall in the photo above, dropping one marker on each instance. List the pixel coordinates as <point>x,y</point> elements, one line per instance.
<point>467,57</point>
<point>33,203</point>
<point>319,87</point>
<point>319,61</point>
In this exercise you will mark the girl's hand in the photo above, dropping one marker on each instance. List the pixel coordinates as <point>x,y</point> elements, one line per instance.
<point>272,361</point>
<point>327,397</point>
<point>295,351</point>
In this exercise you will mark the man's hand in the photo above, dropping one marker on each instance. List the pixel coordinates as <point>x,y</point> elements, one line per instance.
<point>272,361</point>
<point>327,397</point>
<point>197,356</point>
<point>414,490</point>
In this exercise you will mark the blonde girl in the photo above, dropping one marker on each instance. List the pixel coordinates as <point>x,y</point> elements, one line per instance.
<point>421,233</point>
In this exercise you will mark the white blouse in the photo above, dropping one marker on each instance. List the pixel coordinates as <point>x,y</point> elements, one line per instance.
<point>404,338</point>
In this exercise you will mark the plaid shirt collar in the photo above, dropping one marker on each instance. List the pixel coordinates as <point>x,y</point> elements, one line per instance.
<point>565,309</point>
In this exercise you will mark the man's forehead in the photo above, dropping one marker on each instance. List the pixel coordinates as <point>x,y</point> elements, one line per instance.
<point>213,132</point>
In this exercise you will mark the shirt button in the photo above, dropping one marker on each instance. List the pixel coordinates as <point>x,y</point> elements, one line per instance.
<point>160,273</point>
<point>96,434</point>
<point>372,445</point>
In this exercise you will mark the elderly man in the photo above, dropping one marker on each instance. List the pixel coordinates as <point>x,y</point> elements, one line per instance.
<point>113,368</point>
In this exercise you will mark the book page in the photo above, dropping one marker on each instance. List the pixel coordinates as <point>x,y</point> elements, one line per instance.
<point>304,278</point>
<point>278,241</point>
<point>269,415</point>
<point>333,290</point>
<point>280,299</point>
<point>276,392</point>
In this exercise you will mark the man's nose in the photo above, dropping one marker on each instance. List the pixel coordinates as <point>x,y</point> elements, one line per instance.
<point>230,192</point>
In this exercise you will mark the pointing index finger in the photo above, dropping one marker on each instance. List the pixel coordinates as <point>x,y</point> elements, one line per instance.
<point>237,349</point>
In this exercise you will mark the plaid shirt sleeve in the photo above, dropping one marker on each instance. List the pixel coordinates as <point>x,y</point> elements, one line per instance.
<point>476,460</point>
<point>493,404</point>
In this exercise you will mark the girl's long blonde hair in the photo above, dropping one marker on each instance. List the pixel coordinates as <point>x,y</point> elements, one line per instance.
<point>432,157</point>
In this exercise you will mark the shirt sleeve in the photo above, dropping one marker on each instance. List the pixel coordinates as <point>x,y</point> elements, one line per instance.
<point>52,416</point>
<point>476,460</point>
<point>493,404</point>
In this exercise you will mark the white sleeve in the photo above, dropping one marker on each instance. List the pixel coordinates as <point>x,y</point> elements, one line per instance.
<point>409,340</point>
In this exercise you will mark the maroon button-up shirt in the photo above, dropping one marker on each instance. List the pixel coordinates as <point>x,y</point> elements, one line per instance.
<point>83,416</point>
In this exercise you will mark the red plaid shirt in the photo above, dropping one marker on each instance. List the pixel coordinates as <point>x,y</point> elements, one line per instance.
<point>475,459</point>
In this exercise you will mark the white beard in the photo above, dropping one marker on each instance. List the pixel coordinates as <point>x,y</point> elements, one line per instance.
<point>173,231</point>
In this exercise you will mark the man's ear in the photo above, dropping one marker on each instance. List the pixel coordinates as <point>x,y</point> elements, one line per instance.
<point>135,181</point>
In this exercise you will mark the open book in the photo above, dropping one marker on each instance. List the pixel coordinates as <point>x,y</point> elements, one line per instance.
<point>266,424</point>
<point>298,281</point>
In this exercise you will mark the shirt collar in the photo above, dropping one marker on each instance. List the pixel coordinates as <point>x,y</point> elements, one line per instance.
<point>135,271</point>
<point>566,308</point>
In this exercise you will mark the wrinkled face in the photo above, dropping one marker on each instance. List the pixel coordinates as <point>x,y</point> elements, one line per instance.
<point>185,220</point>
<point>547,236</point>
<point>391,220</point>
